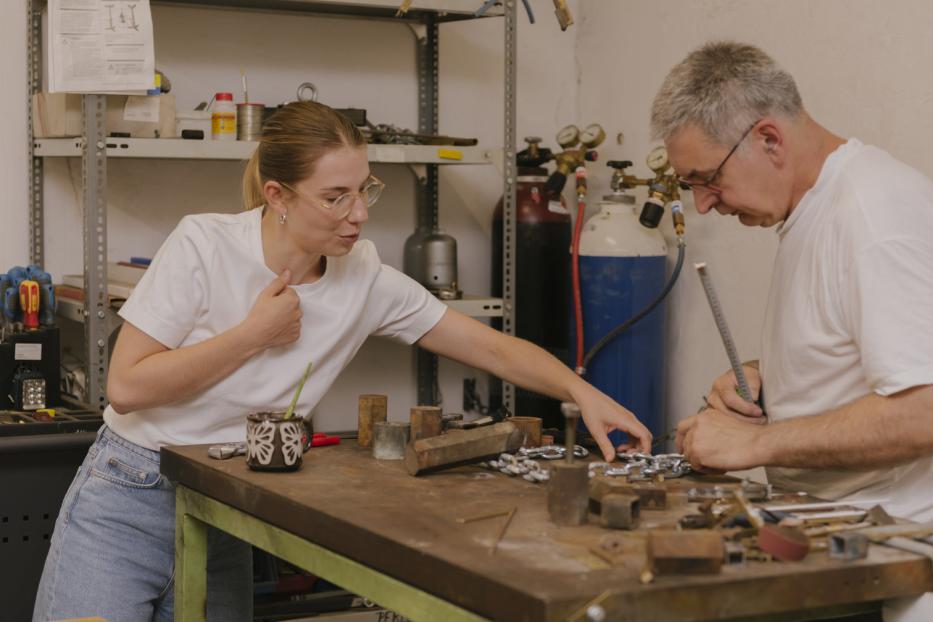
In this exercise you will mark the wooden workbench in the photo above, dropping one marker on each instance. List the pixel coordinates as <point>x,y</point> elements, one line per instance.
<point>369,527</point>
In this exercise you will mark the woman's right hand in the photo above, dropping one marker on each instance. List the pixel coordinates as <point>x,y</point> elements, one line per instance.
<point>275,319</point>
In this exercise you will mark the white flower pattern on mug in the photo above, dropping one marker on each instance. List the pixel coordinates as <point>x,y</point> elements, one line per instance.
<point>290,433</point>
<point>260,439</point>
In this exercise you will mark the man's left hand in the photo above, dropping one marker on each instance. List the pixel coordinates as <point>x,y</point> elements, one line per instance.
<point>715,441</point>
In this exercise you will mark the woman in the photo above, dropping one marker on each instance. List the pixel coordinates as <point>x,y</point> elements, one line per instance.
<point>224,321</point>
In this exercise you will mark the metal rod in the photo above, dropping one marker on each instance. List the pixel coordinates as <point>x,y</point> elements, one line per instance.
<point>724,332</point>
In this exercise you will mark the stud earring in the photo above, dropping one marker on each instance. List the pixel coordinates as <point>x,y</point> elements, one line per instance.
<point>282,219</point>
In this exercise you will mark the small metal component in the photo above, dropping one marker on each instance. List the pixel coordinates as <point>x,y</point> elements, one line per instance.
<point>620,511</point>
<point>567,498</point>
<point>848,546</point>
<point>756,491</point>
<point>390,439</point>
<point>571,414</point>
<point>225,451</point>
<point>684,552</point>
<point>734,553</point>
<point>695,521</point>
<point>714,493</point>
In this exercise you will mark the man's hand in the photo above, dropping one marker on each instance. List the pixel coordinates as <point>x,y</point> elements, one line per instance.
<point>716,441</point>
<point>602,415</point>
<point>724,395</point>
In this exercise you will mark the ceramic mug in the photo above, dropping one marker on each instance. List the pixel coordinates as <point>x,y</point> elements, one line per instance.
<point>274,443</point>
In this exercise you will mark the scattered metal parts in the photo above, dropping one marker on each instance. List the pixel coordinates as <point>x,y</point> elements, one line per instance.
<point>734,553</point>
<point>552,452</point>
<point>695,521</point>
<point>787,544</point>
<point>641,466</point>
<point>684,552</point>
<point>710,493</point>
<point>878,516</point>
<point>390,439</point>
<point>848,546</point>
<point>620,511</point>
<point>567,499</point>
<point>756,491</point>
<point>505,525</point>
<point>225,451</point>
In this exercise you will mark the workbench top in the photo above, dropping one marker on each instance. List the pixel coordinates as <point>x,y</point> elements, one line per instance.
<point>375,513</point>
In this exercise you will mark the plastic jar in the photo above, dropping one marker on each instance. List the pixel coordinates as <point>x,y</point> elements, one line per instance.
<point>223,117</point>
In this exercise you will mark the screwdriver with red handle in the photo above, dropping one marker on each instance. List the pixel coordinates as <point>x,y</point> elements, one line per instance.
<point>29,304</point>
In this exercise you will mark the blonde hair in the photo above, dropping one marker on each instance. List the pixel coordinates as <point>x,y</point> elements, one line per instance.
<point>293,140</point>
<point>723,87</point>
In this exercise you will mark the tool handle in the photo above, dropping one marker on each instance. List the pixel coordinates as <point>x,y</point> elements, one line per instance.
<point>47,305</point>
<point>724,332</point>
<point>29,303</point>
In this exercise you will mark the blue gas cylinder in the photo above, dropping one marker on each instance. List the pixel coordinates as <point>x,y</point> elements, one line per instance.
<point>622,269</point>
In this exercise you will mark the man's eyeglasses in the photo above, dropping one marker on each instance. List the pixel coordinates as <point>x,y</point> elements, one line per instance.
<point>709,182</point>
<point>340,207</point>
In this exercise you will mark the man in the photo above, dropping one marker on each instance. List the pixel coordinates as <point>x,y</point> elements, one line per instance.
<point>847,348</point>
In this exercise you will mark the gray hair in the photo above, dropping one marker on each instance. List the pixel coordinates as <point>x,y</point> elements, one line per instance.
<point>723,87</point>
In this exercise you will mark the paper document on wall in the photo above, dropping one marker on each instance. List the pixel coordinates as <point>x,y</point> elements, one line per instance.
<point>100,46</point>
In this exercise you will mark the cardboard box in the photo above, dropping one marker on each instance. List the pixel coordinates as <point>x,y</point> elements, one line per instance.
<point>57,115</point>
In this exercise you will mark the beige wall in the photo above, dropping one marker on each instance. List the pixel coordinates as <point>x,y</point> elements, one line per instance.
<point>861,67</point>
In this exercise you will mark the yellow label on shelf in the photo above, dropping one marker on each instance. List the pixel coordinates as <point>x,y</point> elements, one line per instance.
<point>450,154</point>
<point>223,123</point>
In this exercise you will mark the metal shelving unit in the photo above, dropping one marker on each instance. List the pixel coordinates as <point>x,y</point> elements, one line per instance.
<point>94,148</point>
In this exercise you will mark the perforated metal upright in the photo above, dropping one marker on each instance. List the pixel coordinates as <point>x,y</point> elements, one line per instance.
<point>96,301</point>
<point>427,194</point>
<point>98,317</point>
<point>510,172</point>
<point>426,199</point>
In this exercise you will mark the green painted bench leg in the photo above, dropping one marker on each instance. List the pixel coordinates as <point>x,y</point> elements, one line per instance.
<point>190,563</point>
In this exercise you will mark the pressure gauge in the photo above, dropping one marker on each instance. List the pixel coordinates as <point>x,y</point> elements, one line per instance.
<point>568,137</point>
<point>592,136</point>
<point>657,160</point>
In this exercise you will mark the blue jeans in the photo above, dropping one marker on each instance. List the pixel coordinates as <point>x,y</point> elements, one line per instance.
<point>113,550</point>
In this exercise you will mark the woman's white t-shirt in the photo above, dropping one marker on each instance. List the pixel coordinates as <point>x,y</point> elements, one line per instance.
<point>205,279</point>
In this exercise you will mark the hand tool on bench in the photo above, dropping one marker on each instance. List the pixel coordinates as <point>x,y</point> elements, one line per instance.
<point>567,492</point>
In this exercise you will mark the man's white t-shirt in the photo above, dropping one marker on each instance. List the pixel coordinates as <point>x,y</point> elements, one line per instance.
<point>850,312</point>
<point>205,279</point>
